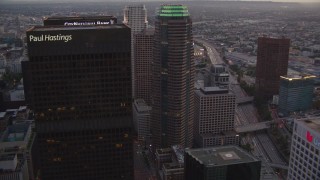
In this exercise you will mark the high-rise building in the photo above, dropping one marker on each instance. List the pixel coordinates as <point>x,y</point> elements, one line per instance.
<point>173,78</point>
<point>295,94</point>
<point>143,56</point>
<point>272,62</point>
<point>80,21</point>
<point>78,83</point>
<point>305,148</point>
<point>141,119</point>
<point>223,163</point>
<point>135,17</point>
<point>214,117</point>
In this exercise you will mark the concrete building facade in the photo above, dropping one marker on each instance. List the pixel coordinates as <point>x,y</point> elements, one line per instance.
<point>135,16</point>
<point>141,119</point>
<point>214,117</point>
<point>305,148</point>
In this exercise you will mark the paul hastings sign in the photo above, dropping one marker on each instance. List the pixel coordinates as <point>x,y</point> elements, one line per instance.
<point>49,37</point>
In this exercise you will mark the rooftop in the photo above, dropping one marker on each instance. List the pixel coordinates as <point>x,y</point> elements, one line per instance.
<point>218,66</point>
<point>71,28</point>
<point>214,90</point>
<point>311,123</point>
<point>6,157</point>
<point>17,95</point>
<point>15,132</point>
<point>220,156</point>
<point>77,18</point>
<point>170,166</point>
<point>297,77</point>
<point>2,114</point>
<point>173,11</point>
<point>141,106</point>
<point>163,151</point>
<point>179,152</point>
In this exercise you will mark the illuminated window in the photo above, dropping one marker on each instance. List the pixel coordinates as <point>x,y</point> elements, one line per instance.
<point>119,145</point>
<point>57,159</point>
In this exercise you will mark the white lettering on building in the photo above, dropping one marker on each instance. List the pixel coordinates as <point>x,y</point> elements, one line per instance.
<point>48,37</point>
<point>89,23</point>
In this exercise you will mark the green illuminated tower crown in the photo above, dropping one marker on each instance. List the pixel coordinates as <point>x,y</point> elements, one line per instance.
<point>173,11</point>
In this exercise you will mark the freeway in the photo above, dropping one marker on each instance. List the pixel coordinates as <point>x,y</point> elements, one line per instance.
<point>264,148</point>
<point>213,54</point>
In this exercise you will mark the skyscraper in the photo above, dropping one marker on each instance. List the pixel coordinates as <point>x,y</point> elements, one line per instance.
<point>135,17</point>
<point>143,56</point>
<point>305,150</point>
<point>173,78</point>
<point>79,21</point>
<point>78,82</point>
<point>272,62</point>
<point>214,117</point>
<point>295,94</point>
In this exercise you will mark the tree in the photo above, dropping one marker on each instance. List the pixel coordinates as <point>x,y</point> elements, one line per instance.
<point>316,104</point>
<point>11,78</point>
<point>247,147</point>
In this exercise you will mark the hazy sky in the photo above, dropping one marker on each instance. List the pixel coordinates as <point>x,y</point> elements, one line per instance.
<point>299,1</point>
<point>160,0</point>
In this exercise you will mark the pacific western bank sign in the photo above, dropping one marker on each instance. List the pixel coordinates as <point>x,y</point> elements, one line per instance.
<point>312,139</point>
<point>89,23</point>
<point>49,37</point>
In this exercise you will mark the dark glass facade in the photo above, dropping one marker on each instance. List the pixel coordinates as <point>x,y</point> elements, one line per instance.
<point>208,164</point>
<point>272,62</point>
<point>295,94</point>
<point>173,78</point>
<point>78,82</point>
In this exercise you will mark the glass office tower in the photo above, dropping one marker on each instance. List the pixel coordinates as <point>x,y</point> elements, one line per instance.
<point>173,78</point>
<point>78,82</point>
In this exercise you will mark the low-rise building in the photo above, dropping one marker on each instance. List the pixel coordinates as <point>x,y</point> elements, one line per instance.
<point>17,147</point>
<point>295,94</point>
<point>13,169</point>
<point>223,163</point>
<point>170,163</point>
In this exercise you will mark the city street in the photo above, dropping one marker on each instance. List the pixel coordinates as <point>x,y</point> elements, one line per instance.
<point>141,169</point>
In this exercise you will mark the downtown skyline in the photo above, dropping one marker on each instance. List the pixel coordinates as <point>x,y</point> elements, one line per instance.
<point>164,1</point>
<point>77,81</point>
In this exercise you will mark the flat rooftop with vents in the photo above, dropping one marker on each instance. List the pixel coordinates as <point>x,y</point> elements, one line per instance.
<point>220,156</point>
